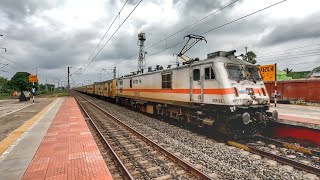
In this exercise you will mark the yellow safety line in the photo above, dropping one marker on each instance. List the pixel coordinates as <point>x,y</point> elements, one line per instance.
<point>13,136</point>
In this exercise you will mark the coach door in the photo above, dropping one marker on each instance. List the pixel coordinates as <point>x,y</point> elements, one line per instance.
<point>196,85</point>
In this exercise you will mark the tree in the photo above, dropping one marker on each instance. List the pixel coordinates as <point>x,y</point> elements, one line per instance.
<point>20,81</point>
<point>287,70</point>
<point>251,57</point>
<point>4,85</point>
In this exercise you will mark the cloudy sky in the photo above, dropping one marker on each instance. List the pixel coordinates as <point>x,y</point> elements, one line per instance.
<point>51,35</point>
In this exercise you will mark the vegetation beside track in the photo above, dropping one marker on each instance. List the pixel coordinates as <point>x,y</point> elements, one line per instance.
<point>4,96</point>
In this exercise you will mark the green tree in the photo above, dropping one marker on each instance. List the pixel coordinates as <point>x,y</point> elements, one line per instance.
<point>20,81</point>
<point>287,70</point>
<point>4,88</point>
<point>251,57</point>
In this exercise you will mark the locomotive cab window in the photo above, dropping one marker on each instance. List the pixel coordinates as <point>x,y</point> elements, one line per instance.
<point>130,83</point>
<point>166,81</point>
<point>208,73</point>
<point>196,74</point>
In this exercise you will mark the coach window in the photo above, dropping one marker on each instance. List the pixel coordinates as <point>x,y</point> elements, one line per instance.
<point>166,81</point>
<point>130,83</point>
<point>208,73</point>
<point>196,74</point>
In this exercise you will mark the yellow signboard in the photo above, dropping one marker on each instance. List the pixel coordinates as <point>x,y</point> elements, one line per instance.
<point>33,78</point>
<point>268,72</point>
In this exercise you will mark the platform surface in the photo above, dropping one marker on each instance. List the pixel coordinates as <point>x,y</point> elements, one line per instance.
<point>68,150</point>
<point>308,116</point>
<point>14,113</point>
<point>8,106</point>
<point>19,147</point>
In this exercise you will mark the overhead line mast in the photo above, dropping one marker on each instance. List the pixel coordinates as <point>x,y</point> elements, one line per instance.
<point>142,53</point>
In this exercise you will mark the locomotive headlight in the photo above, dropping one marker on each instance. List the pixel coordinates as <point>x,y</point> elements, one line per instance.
<point>275,115</point>
<point>249,91</point>
<point>246,118</point>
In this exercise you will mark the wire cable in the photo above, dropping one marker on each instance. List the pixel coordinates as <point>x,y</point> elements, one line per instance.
<point>299,47</point>
<point>107,30</point>
<point>293,57</point>
<point>223,25</point>
<point>186,27</point>
<point>286,54</point>
<point>112,35</point>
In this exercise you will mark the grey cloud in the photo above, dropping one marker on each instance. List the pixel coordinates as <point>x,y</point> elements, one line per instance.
<point>54,50</point>
<point>195,7</point>
<point>17,10</point>
<point>293,30</point>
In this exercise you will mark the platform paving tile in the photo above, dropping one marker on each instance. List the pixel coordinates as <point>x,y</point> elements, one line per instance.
<point>68,150</point>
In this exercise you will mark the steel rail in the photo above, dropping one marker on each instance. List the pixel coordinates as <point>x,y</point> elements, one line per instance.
<point>290,146</point>
<point>281,159</point>
<point>121,166</point>
<point>188,167</point>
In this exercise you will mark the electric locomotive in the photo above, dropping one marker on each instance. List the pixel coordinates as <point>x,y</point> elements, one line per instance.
<point>222,92</point>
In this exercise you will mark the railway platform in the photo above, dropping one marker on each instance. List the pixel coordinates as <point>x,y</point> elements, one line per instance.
<point>54,144</point>
<point>298,115</point>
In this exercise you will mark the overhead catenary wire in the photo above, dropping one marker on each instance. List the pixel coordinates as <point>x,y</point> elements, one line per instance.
<point>180,30</point>
<point>288,54</point>
<point>104,35</point>
<point>7,59</point>
<point>112,35</point>
<point>192,24</point>
<point>284,50</point>
<point>233,21</point>
<point>291,57</point>
<point>300,63</point>
<point>223,25</point>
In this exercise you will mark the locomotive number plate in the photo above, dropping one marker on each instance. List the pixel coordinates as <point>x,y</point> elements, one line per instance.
<point>217,100</point>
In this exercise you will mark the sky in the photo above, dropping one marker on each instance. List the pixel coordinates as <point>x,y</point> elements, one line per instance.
<point>47,36</point>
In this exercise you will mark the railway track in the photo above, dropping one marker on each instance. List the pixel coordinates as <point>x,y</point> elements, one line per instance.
<point>263,150</point>
<point>299,158</point>
<point>134,155</point>
<point>298,148</point>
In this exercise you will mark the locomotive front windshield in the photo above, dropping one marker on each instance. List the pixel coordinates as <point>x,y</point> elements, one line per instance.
<point>241,72</point>
<point>252,72</point>
<point>235,72</point>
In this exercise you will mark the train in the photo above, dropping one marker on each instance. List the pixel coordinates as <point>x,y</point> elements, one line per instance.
<point>221,92</point>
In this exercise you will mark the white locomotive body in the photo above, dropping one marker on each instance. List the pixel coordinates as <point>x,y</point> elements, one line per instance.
<point>221,90</point>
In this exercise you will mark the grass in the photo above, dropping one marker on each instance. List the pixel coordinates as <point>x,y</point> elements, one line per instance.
<point>5,96</point>
<point>51,93</point>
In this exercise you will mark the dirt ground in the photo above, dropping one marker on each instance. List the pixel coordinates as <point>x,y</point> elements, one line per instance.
<point>10,122</point>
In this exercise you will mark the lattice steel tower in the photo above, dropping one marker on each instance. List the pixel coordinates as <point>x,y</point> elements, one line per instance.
<point>142,53</point>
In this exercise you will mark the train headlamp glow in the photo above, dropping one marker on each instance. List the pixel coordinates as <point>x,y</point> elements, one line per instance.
<point>249,91</point>
<point>246,118</point>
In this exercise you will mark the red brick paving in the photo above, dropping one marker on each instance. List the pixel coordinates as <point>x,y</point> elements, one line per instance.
<point>68,150</point>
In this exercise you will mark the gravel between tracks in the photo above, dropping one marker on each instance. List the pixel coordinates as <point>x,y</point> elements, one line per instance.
<point>217,159</point>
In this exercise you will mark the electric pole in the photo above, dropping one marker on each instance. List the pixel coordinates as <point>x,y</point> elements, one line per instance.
<point>245,55</point>
<point>142,53</point>
<point>46,85</point>
<point>114,72</point>
<point>68,81</point>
